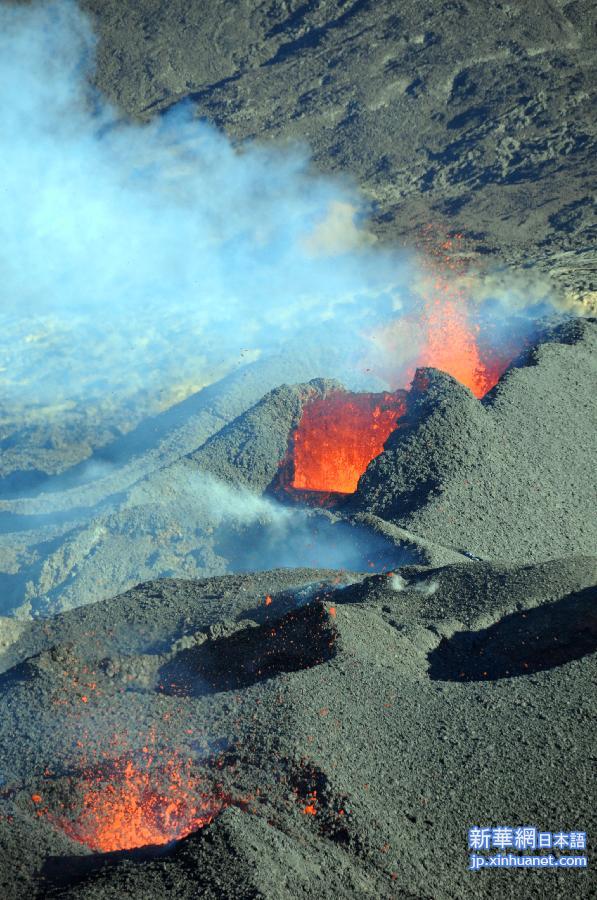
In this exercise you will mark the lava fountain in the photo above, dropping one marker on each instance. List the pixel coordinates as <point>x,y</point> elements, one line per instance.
<point>446,336</point>
<point>339,434</point>
<point>134,805</point>
<point>451,346</point>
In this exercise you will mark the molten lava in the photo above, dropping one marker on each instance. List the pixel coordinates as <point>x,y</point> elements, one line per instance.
<point>450,344</point>
<point>338,436</point>
<point>138,807</point>
<point>443,332</point>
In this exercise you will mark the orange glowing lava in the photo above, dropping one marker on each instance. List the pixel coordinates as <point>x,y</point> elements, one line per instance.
<point>441,334</point>
<point>443,331</point>
<point>338,436</point>
<point>450,344</point>
<point>137,807</point>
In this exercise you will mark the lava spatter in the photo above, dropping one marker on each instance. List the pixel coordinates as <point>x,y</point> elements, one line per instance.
<point>137,805</point>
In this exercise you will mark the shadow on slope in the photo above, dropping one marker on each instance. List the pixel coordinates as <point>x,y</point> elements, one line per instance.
<point>522,643</point>
<point>299,640</point>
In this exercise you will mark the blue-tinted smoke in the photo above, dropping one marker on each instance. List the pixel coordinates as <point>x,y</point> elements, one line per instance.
<point>137,255</point>
<point>137,259</point>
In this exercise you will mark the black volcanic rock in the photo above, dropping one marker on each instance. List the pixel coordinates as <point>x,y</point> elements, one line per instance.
<point>337,765</point>
<point>476,117</point>
<point>509,477</point>
<point>168,521</point>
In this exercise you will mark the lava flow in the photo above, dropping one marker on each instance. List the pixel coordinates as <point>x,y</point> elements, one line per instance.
<point>338,436</point>
<point>138,807</point>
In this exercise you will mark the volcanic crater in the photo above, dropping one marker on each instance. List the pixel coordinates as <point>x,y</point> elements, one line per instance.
<point>267,634</point>
<point>303,730</point>
<point>183,730</point>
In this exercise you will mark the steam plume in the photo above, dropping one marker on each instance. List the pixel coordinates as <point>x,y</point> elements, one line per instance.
<point>137,255</point>
<point>141,257</point>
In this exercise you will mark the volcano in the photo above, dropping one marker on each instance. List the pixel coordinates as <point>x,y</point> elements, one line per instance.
<point>297,532</point>
<point>216,734</point>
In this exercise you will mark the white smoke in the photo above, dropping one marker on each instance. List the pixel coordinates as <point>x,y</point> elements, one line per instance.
<point>425,587</point>
<point>256,532</point>
<point>189,525</point>
<point>398,582</point>
<point>151,259</point>
<point>142,256</point>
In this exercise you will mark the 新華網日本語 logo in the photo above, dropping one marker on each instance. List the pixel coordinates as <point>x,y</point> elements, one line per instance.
<point>524,846</point>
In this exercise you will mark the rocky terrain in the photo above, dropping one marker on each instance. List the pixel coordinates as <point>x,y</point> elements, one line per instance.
<point>213,681</point>
<point>477,116</point>
<point>356,732</point>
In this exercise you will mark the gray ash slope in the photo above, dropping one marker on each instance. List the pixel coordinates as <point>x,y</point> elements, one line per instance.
<point>248,452</point>
<point>401,709</point>
<point>413,707</point>
<point>87,470</point>
<point>508,477</point>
